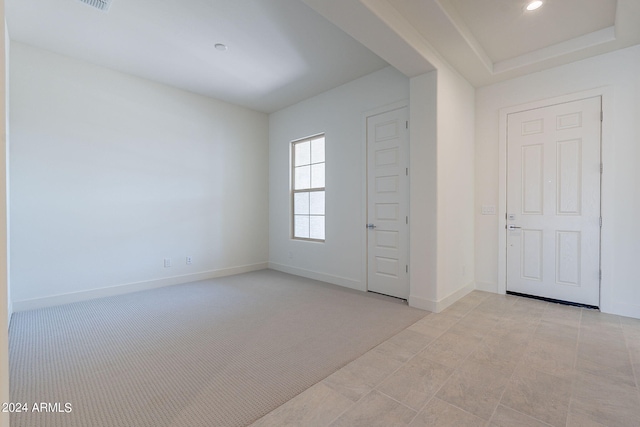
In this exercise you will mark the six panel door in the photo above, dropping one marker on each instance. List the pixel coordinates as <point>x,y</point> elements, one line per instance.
<point>553,201</point>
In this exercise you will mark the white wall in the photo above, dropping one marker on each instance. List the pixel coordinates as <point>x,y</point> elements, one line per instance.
<point>441,183</point>
<point>110,174</point>
<point>619,73</point>
<point>339,113</point>
<point>424,192</point>
<point>455,199</point>
<point>7,55</point>
<point>5,309</point>
<point>442,190</point>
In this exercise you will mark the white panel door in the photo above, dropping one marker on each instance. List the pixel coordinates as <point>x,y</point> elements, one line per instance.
<point>387,203</point>
<point>553,201</point>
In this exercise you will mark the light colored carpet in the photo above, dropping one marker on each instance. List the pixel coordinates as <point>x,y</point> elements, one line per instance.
<point>220,352</point>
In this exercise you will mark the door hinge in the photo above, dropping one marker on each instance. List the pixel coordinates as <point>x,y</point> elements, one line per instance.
<point>601,115</point>
<point>600,222</point>
<point>406,268</point>
<point>406,171</point>
<point>601,167</point>
<point>600,274</point>
<point>406,124</point>
<point>406,220</point>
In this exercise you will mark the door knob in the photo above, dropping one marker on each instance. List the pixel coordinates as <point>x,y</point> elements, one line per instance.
<point>371,226</point>
<point>511,227</point>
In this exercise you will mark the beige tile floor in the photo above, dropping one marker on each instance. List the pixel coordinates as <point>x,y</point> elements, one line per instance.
<point>488,360</point>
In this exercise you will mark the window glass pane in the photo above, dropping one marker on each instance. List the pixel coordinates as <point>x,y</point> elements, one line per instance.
<point>301,226</point>
<point>316,202</point>
<point>302,153</point>
<point>316,226</point>
<point>301,203</point>
<point>309,173</point>
<point>317,150</point>
<point>303,177</point>
<point>317,176</point>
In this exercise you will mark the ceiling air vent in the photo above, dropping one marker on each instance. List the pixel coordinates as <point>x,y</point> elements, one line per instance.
<point>102,5</point>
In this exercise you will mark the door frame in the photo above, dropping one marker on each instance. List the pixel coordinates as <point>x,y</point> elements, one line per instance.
<point>365,190</point>
<point>606,185</point>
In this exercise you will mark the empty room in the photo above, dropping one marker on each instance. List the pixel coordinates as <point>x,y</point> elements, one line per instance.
<point>320,213</point>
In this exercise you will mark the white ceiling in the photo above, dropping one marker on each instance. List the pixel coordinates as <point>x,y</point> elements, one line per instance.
<point>486,41</point>
<point>506,30</point>
<point>279,51</point>
<point>283,51</point>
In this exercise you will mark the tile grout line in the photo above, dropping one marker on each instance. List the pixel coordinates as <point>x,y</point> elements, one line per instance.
<point>411,358</point>
<point>421,350</point>
<point>636,374</point>
<point>465,359</point>
<point>457,407</point>
<point>626,343</point>
<point>573,369</point>
<point>526,415</point>
<point>512,375</point>
<point>447,379</point>
<point>346,409</point>
<point>397,401</point>
<point>375,387</point>
<point>500,320</point>
<point>279,408</point>
<point>434,396</point>
<point>385,378</point>
<point>454,369</point>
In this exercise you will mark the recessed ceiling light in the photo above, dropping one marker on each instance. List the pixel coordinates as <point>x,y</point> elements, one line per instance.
<point>221,47</point>
<point>534,5</point>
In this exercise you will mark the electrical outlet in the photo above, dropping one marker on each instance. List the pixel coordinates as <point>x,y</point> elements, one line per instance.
<point>167,262</point>
<point>488,210</point>
<point>189,261</point>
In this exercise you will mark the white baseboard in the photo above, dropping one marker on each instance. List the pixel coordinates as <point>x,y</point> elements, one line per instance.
<point>442,304</point>
<point>622,309</point>
<point>335,280</point>
<point>487,287</point>
<point>617,308</point>
<point>54,300</point>
<point>423,303</point>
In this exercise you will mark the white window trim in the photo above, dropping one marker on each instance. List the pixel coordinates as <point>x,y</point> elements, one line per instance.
<point>306,190</point>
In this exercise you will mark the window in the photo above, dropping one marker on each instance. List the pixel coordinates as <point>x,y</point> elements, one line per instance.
<point>308,188</point>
